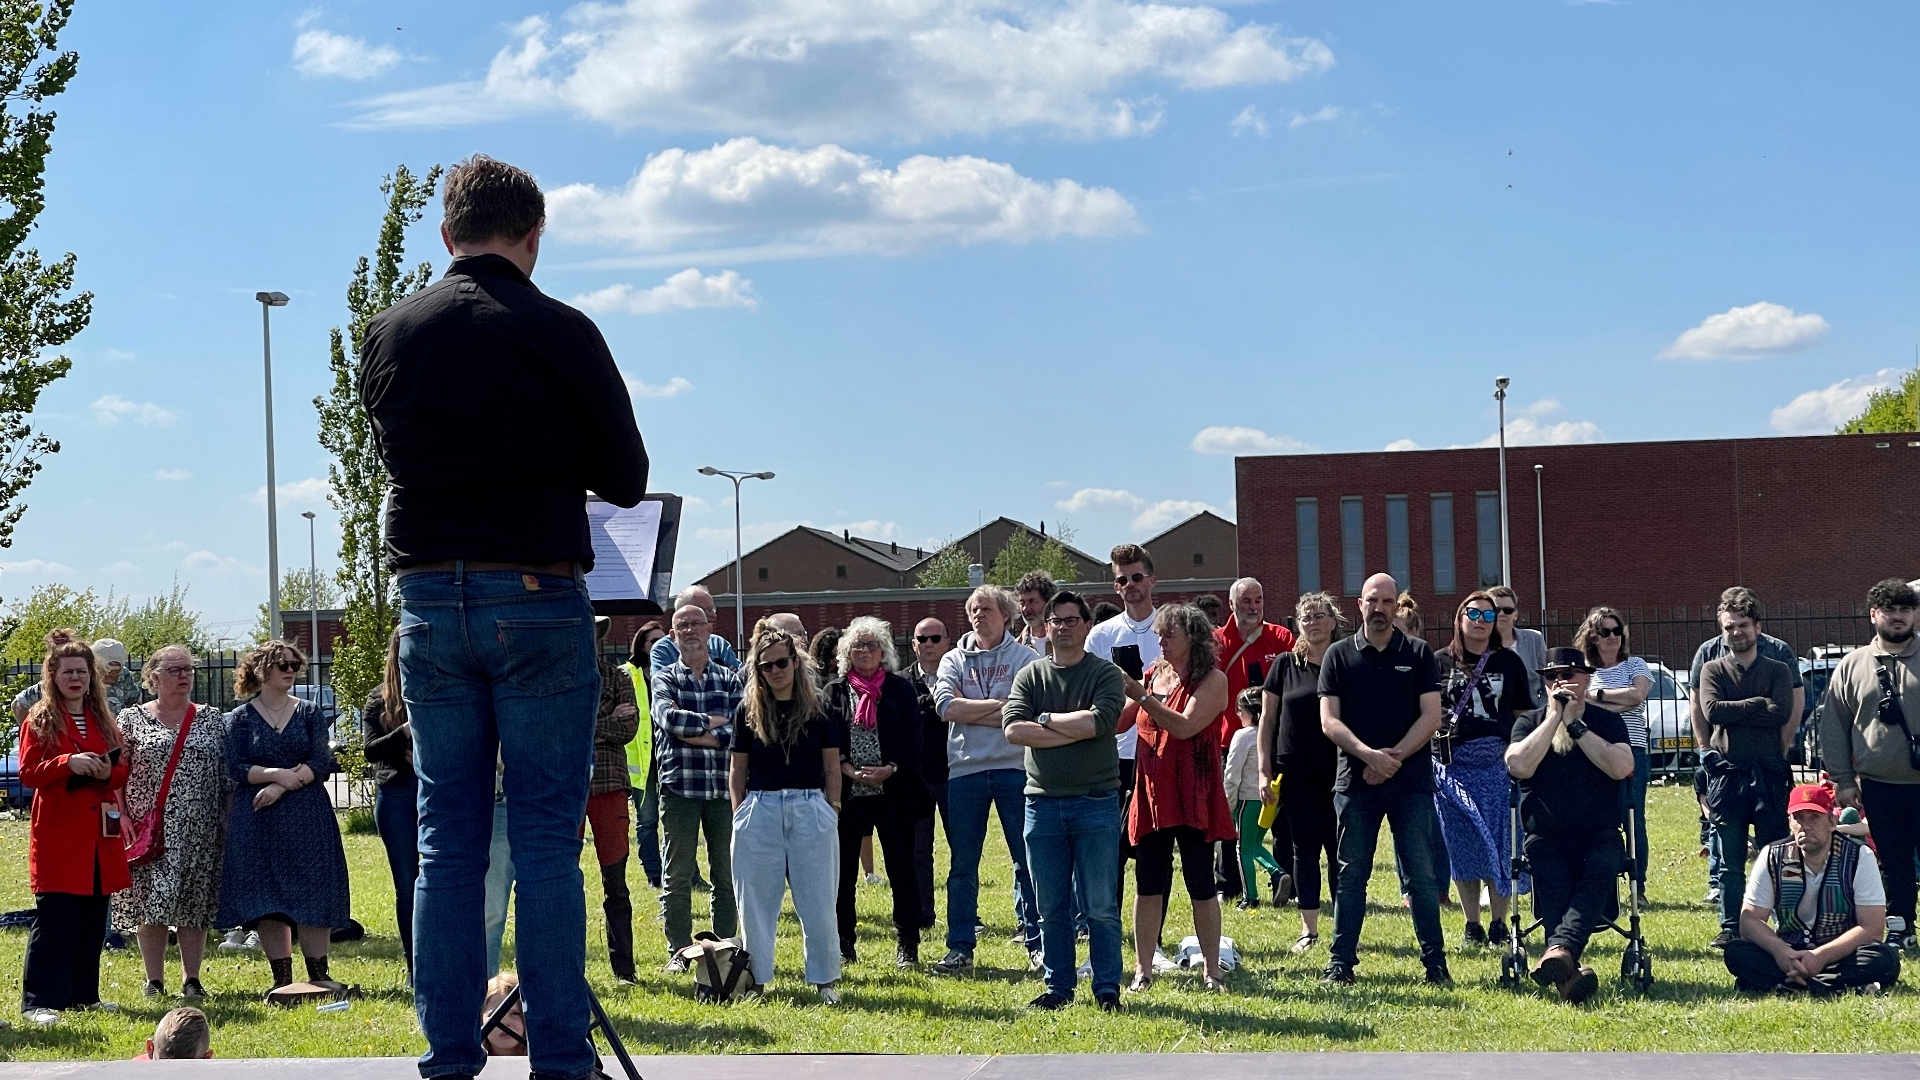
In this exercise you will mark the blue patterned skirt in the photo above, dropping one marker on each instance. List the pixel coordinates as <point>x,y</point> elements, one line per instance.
<point>1471,797</point>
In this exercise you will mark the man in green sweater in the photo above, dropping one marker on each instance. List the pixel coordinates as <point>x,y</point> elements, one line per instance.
<point>1064,709</point>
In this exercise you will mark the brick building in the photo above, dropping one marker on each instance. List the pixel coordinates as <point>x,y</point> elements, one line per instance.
<point>1204,545</point>
<point>1645,526</point>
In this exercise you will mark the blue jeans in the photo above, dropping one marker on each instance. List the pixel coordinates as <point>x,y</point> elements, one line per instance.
<point>1633,795</point>
<point>1360,812</point>
<point>970,799</point>
<point>1071,841</point>
<point>789,840</point>
<point>396,816</point>
<point>500,664</point>
<point>499,885</point>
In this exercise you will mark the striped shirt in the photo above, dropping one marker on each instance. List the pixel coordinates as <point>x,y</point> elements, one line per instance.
<point>681,705</point>
<point>1619,677</point>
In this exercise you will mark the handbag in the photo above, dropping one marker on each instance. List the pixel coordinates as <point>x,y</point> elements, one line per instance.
<point>147,836</point>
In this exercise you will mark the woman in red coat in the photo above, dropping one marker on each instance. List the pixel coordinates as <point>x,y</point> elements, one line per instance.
<point>71,755</point>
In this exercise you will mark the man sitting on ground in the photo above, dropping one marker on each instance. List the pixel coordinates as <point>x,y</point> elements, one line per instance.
<point>182,1033</point>
<point>1828,907</point>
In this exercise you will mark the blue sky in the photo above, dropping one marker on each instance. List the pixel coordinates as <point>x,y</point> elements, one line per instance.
<point>932,261</point>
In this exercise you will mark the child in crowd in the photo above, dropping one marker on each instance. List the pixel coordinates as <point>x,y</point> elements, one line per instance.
<point>1242,777</point>
<point>182,1033</point>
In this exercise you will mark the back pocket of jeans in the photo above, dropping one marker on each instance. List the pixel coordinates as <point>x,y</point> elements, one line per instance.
<point>419,675</point>
<point>542,655</point>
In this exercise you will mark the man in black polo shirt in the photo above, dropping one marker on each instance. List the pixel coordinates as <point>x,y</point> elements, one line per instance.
<point>1380,703</point>
<point>495,409</point>
<point>1570,809</point>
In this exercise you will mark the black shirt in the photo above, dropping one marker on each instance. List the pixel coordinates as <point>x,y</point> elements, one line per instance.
<point>1379,692</point>
<point>933,731</point>
<point>1301,748</point>
<point>1503,690</point>
<point>495,409</point>
<point>386,750</point>
<point>1568,795</point>
<point>775,768</point>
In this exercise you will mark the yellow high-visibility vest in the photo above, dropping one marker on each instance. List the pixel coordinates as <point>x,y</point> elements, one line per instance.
<point>640,750</point>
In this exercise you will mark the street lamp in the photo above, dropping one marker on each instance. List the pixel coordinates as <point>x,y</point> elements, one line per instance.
<point>313,599</point>
<point>1506,551</point>
<point>1540,529</point>
<point>739,583</point>
<point>269,300</point>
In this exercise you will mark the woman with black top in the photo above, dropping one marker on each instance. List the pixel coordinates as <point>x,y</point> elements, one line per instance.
<point>880,713</point>
<point>784,777</point>
<point>1482,685</point>
<point>1293,747</point>
<point>389,749</point>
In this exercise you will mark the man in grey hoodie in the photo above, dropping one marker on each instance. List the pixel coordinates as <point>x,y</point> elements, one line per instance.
<point>985,771</point>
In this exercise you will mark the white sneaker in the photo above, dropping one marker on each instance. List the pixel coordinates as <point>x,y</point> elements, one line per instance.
<point>235,939</point>
<point>828,995</point>
<point>43,1017</point>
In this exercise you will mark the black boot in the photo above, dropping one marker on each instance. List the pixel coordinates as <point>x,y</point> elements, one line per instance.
<point>619,911</point>
<point>282,971</point>
<point>317,969</point>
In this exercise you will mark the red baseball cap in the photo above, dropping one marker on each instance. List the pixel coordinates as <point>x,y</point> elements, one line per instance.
<point>1810,797</point>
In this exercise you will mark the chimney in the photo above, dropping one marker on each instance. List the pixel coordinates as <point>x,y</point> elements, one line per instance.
<point>1043,528</point>
<point>847,535</point>
<point>918,554</point>
<point>894,546</point>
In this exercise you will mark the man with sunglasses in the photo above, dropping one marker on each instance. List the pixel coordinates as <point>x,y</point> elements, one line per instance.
<point>930,644</point>
<point>1870,743</point>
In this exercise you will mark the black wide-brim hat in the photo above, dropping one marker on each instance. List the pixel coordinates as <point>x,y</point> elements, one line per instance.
<point>1566,660</point>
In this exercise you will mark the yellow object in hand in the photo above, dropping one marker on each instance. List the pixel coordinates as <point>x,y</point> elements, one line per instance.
<point>1271,808</point>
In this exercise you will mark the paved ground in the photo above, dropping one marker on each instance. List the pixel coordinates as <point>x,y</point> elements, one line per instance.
<point>1330,1066</point>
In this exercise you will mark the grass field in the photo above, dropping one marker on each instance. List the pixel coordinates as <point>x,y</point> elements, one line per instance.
<point>1275,1001</point>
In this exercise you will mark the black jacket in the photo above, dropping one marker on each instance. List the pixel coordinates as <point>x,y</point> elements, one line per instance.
<point>495,409</point>
<point>899,731</point>
<point>385,750</point>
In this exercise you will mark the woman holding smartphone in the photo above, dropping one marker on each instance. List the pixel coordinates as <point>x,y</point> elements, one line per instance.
<point>71,755</point>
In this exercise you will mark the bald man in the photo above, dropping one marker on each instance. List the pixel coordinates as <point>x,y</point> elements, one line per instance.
<point>1380,703</point>
<point>930,643</point>
<point>788,621</point>
<point>666,652</point>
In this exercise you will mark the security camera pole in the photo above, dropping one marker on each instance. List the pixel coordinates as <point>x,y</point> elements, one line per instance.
<point>269,301</point>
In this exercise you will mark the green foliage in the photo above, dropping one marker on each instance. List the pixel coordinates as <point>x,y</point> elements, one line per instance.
<point>947,568</point>
<point>159,621</point>
<point>297,589</point>
<point>1896,408</point>
<point>1023,552</point>
<point>357,476</point>
<point>38,310</point>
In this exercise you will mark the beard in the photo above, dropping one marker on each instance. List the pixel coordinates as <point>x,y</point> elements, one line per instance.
<point>1379,621</point>
<point>1893,638</point>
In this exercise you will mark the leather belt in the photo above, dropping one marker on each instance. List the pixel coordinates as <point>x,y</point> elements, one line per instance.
<point>476,566</point>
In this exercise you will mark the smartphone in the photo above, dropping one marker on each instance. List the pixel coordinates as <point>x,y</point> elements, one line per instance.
<point>113,755</point>
<point>1254,674</point>
<point>1127,658</point>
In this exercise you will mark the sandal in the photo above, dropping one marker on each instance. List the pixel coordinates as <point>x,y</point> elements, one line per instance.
<point>1306,942</point>
<point>1140,982</point>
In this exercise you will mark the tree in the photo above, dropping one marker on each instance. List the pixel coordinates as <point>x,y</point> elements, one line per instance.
<point>1895,408</point>
<point>1022,552</point>
<point>947,568</point>
<point>297,588</point>
<point>53,606</point>
<point>357,476</point>
<point>159,621</point>
<point>38,310</point>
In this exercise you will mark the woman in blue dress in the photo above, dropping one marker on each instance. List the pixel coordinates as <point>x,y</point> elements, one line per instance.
<point>285,865</point>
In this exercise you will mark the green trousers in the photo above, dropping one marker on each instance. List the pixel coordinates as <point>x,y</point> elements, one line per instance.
<point>1253,847</point>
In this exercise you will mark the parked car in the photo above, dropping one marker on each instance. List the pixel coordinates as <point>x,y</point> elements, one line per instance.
<point>1669,720</point>
<point>13,793</point>
<point>1816,670</point>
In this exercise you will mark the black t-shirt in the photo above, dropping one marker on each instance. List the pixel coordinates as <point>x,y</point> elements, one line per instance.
<point>1301,748</point>
<point>774,768</point>
<point>1568,795</point>
<point>1501,692</point>
<point>1379,692</point>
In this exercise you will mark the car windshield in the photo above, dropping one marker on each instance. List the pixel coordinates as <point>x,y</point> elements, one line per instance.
<point>1664,687</point>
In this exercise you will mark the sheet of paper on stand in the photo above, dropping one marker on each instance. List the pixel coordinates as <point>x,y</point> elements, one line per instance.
<point>624,543</point>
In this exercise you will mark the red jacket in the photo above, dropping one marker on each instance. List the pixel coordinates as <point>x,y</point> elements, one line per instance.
<point>1273,641</point>
<point>66,836</point>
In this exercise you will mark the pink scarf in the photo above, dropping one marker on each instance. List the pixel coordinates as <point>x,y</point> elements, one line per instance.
<point>866,696</point>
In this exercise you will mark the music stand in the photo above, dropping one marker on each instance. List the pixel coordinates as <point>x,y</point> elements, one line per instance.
<point>600,1021</point>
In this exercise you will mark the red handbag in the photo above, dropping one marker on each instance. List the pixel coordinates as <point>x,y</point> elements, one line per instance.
<point>147,836</point>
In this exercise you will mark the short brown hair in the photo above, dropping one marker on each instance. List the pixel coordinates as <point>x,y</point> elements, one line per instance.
<point>182,1033</point>
<point>252,673</point>
<point>1122,554</point>
<point>1039,582</point>
<point>484,199</point>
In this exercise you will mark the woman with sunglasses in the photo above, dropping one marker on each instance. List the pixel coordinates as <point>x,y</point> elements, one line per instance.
<point>182,887</point>
<point>784,777</point>
<point>1482,686</point>
<point>285,866</point>
<point>1621,682</point>
<point>880,713</point>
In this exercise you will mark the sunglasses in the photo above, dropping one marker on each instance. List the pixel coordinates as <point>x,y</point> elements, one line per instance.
<point>927,639</point>
<point>287,665</point>
<point>1475,614</point>
<point>1608,631</point>
<point>775,665</point>
<point>1506,611</point>
<point>863,646</point>
<point>1136,577</point>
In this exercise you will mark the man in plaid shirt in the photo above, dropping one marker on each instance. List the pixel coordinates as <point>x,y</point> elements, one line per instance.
<point>694,701</point>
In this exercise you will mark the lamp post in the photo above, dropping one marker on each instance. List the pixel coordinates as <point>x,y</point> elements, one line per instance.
<point>739,583</point>
<point>1540,530</point>
<point>313,597</point>
<point>268,301</point>
<point>1506,549</point>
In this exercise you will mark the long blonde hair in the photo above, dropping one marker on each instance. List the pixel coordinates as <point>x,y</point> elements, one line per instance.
<point>763,712</point>
<point>48,717</point>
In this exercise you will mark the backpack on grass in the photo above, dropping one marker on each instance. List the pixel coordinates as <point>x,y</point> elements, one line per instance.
<point>720,967</point>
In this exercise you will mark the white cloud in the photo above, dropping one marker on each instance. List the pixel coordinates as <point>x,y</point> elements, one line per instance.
<point>864,69</point>
<point>744,200</point>
<point>1100,499</point>
<point>1166,512</point>
<point>1398,445</point>
<point>1320,116</point>
<point>1537,409</point>
<point>113,408</point>
<point>173,474</point>
<point>207,560</point>
<point>174,545</point>
<point>673,387</point>
<point>121,567</point>
<point>1818,412</point>
<point>120,354</point>
<point>1250,119</point>
<point>1245,440</point>
<point>683,291</point>
<point>1747,333</point>
<point>1528,431</point>
<point>312,491</point>
<point>322,54</point>
<point>694,504</point>
<point>35,568</point>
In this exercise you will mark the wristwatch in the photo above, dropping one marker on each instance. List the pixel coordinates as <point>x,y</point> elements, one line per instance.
<point>1600,694</point>
<point>1045,719</point>
<point>1576,728</point>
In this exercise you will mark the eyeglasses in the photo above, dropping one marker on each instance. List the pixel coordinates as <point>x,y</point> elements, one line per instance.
<point>1313,616</point>
<point>1608,631</point>
<point>1136,577</point>
<point>928,639</point>
<point>1061,622</point>
<point>1475,614</point>
<point>775,665</point>
<point>1506,611</point>
<point>287,665</point>
<point>179,669</point>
